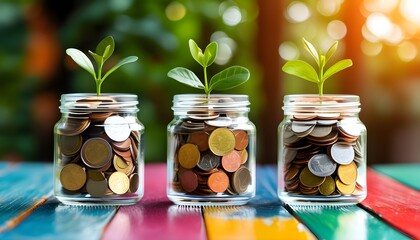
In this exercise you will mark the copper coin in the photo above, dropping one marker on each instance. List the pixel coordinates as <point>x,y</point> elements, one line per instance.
<point>218,182</point>
<point>189,181</point>
<point>72,177</point>
<point>134,182</point>
<point>201,139</point>
<point>241,139</point>
<point>122,146</point>
<point>232,161</point>
<point>244,156</point>
<point>73,126</point>
<point>188,155</point>
<point>241,180</point>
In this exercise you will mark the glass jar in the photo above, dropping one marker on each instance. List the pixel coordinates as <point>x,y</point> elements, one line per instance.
<point>98,150</point>
<point>322,150</point>
<point>211,150</point>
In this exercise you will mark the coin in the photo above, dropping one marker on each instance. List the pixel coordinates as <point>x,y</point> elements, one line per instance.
<point>208,161</point>
<point>69,145</point>
<point>310,180</point>
<point>134,182</point>
<point>350,127</point>
<point>320,131</point>
<point>96,188</point>
<point>327,187</point>
<point>95,175</point>
<point>73,126</point>
<point>122,146</point>
<point>188,155</point>
<point>99,116</point>
<point>291,173</point>
<point>222,141</point>
<point>342,153</point>
<point>241,139</point>
<point>303,128</point>
<point>241,180</point>
<point>201,139</point>
<point>189,181</point>
<point>72,177</point>
<point>231,161</point>
<point>220,122</point>
<point>96,153</point>
<point>347,173</point>
<point>344,188</point>
<point>117,128</point>
<point>321,165</point>
<point>218,182</point>
<point>118,183</point>
<point>244,156</point>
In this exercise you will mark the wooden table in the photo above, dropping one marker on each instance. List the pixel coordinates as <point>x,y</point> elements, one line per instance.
<point>29,211</point>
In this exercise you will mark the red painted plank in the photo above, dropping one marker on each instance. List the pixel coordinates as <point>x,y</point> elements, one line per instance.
<point>155,217</point>
<point>394,202</point>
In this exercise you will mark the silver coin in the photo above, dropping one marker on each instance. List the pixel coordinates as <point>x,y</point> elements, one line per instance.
<point>321,165</point>
<point>350,127</point>
<point>117,128</point>
<point>289,154</point>
<point>327,122</point>
<point>220,122</point>
<point>208,161</point>
<point>320,131</point>
<point>303,128</point>
<point>342,153</point>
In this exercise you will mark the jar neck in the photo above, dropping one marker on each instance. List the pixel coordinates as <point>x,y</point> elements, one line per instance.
<point>328,105</point>
<point>215,104</point>
<point>90,102</point>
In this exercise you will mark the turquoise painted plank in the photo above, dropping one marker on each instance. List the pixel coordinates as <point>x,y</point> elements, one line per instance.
<point>408,173</point>
<point>54,220</point>
<point>344,222</point>
<point>21,187</point>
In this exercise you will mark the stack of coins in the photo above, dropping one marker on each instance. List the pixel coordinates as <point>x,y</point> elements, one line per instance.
<point>97,152</point>
<point>321,155</point>
<point>210,156</point>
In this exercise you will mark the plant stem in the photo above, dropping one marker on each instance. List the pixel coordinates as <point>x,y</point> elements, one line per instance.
<point>320,88</point>
<point>98,87</point>
<point>206,86</point>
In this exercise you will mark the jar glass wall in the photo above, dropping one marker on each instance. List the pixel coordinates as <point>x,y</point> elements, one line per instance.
<point>211,150</point>
<point>322,150</point>
<point>98,150</point>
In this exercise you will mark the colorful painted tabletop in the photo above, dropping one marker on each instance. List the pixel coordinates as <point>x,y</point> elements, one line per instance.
<point>28,210</point>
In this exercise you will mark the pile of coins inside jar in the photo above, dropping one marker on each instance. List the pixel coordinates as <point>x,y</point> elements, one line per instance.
<point>321,155</point>
<point>97,150</point>
<point>210,156</point>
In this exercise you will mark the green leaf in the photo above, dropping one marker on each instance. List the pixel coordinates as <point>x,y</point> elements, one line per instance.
<point>301,69</point>
<point>210,53</point>
<point>185,76</point>
<point>98,59</point>
<point>341,65</point>
<point>312,50</point>
<point>331,51</point>
<point>196,52</point>
<point>101,49</point>
<point>229,78</point>
<point>82,60</point>
<point>119,64</point>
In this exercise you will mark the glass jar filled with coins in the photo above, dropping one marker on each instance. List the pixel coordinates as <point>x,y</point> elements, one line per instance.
<point>322,150</point>
<point>98,150</point>
<point>211,150</point>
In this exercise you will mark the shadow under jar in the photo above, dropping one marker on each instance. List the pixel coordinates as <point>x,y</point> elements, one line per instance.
<point>98,150</point>
<point>322,151</point>
<point>211,150</point>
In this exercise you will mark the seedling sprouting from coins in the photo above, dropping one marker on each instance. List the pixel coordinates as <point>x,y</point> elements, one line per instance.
<point>103,52</point>
<point>226,79</point>
<point>306,71</point>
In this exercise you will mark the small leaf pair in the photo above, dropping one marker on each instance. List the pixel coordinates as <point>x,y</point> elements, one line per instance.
<point>103,52</point>
<point>304,70</point>
<point>224,80</point>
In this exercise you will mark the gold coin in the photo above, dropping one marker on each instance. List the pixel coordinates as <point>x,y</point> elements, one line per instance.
<point>188,155</point>
<point>96,152</point>
<point>344,188</point>
<point>308,179</point>
<point>72,177</point>
<point>122,166</point>
<point>95,175</point>
<point>134,182</point>
<point>69,145</point>
<point>119,183</point>
<point>347,173</point>
<point>96,188</point>
<point>222,141</point>
<point>327,187</point>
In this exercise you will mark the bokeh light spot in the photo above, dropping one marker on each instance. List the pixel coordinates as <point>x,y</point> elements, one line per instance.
<point>371,49</point>
<point>232,16</point>
<point>288,51</point>
<point>410,9</point>
<point>175,11</point>
<point>328,7</point>
<point>379,25</point>
<point>336,29</point>
<point>407,51</point>
<point>298,12</point>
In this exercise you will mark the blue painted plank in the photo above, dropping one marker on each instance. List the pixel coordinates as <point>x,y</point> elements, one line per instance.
<point>407,174</point>
<point>21,187</point>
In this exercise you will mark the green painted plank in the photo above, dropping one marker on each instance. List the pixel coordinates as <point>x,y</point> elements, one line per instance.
<point>407,173</point>
<point>343,222</point>
<point>54,220</point>
<point>21,187</point>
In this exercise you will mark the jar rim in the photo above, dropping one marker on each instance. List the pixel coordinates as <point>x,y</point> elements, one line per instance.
<point>327,103</point>
<point>105,102</point>
<point>203,102</point>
